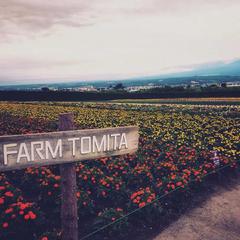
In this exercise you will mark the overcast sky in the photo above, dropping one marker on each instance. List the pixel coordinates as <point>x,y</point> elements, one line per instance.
<point>51,40</point>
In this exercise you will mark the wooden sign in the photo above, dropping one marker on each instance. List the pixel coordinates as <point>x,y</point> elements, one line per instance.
<point>66,147</point>
<point>21,151</point>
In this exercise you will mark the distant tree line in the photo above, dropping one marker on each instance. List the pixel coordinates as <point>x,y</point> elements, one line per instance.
<point>166,92</point>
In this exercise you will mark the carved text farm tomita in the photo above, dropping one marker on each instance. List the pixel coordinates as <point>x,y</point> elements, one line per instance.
<point>75,146</point>
<point>42,149</point>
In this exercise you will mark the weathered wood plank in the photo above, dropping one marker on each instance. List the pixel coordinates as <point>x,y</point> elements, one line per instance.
<point>21,151</point>
<point>69,214</point>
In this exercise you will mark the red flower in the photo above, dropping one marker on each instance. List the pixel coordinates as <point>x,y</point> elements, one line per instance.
<point>5,225</point>
<point>103,193</point>
<point>44,238</point>
<point>1,201</point>
<point>179,184</point>
<point>142,204</point>
<point>9,210</point>
<point>26,217</point>
<point>24,205</point>
<point>32,215</point>
<point>9,194</point>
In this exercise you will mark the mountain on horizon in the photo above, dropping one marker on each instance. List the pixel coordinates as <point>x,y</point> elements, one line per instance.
<point>219,68</point>
<point>216,72</point>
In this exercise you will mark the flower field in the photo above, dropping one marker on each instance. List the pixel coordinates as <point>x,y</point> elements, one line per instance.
<point>191,101</point>
<point>179,146</point>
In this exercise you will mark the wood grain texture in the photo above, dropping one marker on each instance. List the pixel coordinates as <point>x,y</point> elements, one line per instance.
<point>69,213</point>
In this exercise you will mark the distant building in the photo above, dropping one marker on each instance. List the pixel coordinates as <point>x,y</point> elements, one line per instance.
<point>87,89</point>
<point>195,84</point>
<point>80,89</point>
<point>138,88</point>
<point>232,84</point>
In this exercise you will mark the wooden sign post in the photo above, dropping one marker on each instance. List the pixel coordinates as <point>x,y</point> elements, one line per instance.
<point>66,147</point>
<point>69,215</point>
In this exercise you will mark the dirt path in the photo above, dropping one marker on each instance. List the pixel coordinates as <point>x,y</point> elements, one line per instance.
<point>217,219</point>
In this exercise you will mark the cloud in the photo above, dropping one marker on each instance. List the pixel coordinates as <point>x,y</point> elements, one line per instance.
<point>91,39</point>
<point>31,16</point>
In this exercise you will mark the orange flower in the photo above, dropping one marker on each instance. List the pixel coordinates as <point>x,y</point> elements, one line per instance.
<point>57,177</point>
<point>173,177</point>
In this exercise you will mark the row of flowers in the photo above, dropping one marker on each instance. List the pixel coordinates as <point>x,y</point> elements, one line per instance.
<point>169,162</point>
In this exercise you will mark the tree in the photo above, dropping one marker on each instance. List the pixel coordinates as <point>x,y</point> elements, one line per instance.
<point>45,89</point>
<point>118,86</point>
